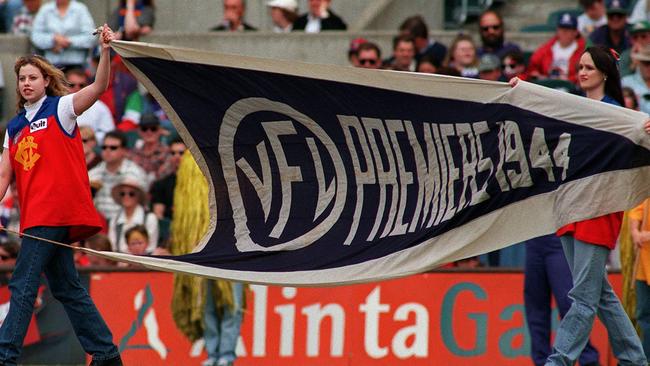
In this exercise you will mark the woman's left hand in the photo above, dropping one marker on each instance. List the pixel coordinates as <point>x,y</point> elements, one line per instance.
<point>106,36</point>
<point>646,126</point>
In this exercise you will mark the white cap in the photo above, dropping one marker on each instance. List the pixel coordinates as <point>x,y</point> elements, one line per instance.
<point>291,5</point>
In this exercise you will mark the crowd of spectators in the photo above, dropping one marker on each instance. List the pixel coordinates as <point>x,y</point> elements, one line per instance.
<point>132,150</point>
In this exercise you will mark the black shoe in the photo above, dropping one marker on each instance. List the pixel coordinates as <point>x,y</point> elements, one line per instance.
<point>115,361</point>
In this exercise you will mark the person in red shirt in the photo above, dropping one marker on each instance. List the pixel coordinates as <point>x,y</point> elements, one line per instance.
<point>43,151</point>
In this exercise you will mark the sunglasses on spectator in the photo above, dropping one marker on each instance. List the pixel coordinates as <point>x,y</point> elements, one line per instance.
<point>110,147</point>
<point>495,27</point>
<point>179,153</point>
<point>148,128</point>
<point>367,61</point>
<point>127,193</point>
<point>616,15</point>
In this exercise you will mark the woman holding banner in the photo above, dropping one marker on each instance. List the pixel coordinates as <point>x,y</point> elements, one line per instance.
<point>587,245</point>
<point>43,152</point>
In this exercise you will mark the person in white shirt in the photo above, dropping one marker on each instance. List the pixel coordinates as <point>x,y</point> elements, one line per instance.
<point>98,116</point>
<point>593,17</point>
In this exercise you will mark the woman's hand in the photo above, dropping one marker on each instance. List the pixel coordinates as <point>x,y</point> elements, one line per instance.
<point>513,82</point>
<point>106,36</point>
<point>646,126</point>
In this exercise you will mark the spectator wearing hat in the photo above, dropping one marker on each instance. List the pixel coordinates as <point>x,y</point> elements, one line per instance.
<point>110,171</point>
<point>614,34</point>
<point>283,14</point>
<point>353,50</point>
<point>416,28</point>
<point>130,195</point>
<point>593,17</point>
<point>489,67</point>
<point>558,58</point>
<point>369,56</point>
<point>492,31</point>
<point>149,152</point>
<point>640,35</point>
<point>319,18</point>
<point>233,17</point>
<point>640,80</point>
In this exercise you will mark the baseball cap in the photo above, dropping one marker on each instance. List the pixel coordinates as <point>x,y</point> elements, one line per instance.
<point>639,27</point>
<point>616,6</point>
<point>355,43</point>
<point>489,62</point>
<point>567,20</point>
<point>291,5</point>
<point>149,119</point>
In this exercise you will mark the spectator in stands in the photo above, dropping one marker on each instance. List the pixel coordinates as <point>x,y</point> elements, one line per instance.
<point>640,80</point>
<point>319,18</point>
<point>150,153</point>
<point>130,194</point>
<point>8,10</point>
<point>63,29</point>
<point>89,144</point>
<point>489,68</point>
<point>492,30</point>
<point>133,19</point>
<point>630,99</point>
<point>593,17</point>
<point>353,50</point>
<point>9,253</point>
<point>98,116</point>
<point>111,170</point>
<point>283,13</point>
<point>99,242</point>
<point>137,239</point>
<point>369,56</point>
<point>614,34</point>
<point>23,21</point>
<point>547,273</point>
<point>462,56</point>
<point>162,190</point>
<point>640,36</point>
<point>513,65</point>
<point>233,17</point>
<point>558,58</point>
<point>427,65</point>
<point>416,28</point>
<point>403,58</point>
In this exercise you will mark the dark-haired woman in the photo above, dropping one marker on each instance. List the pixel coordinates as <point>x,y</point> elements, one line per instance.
<point>587,245</point>
<point>43,151</point>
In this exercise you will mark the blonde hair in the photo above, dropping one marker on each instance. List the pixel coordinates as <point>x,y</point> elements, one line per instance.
<point>57,85</point>
<point>449,59</point>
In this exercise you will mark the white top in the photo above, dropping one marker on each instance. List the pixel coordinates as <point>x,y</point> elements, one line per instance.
<point>99,118</point>
<point>587,25</point>
<point>65,112</point>
<point>313,24</point>
<point>562,55</point>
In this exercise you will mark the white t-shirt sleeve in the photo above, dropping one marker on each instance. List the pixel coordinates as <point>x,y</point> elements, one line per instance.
<point>66,113</point>
<point>6,143</point>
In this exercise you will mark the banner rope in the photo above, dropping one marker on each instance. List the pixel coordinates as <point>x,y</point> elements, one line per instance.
<point>38,238</point>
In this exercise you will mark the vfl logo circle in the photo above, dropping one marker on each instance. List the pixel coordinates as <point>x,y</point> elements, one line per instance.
<point>336,190</point>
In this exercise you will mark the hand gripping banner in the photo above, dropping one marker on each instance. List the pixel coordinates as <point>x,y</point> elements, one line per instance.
<point>331,175</point>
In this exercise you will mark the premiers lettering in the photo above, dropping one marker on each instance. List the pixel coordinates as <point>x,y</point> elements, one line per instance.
<point>373,177</point>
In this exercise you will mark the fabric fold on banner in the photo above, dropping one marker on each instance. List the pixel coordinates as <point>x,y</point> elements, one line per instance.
<point>328,175</point>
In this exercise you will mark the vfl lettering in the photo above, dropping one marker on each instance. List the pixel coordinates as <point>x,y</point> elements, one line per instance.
<point>333,194</point>
<point>38,125</point>
<point>419,174</point>
<point>26,154</point>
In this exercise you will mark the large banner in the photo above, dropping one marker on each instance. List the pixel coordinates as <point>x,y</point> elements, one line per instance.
<point>330,175</point>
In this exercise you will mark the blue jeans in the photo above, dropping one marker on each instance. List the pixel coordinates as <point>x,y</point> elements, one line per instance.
<point>643,313</point>
<point>34,258</point>
<point>222,330</point>
<point>592,295</point>
<point>546,273</point>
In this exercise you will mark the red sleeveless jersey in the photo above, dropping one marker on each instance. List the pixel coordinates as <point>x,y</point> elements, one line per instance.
<point>51,175</point>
